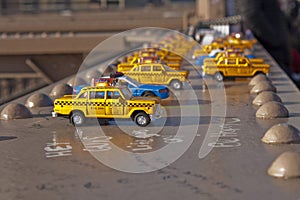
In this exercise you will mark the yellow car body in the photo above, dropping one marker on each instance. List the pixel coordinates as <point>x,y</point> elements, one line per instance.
<point>157,73</point>
<point>106,102</point>
<point>233,67</point>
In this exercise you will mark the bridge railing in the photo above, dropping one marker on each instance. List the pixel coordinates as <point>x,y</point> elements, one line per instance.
<point>37,6</point>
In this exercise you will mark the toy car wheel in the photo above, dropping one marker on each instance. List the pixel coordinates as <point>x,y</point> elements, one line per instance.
<point>142,119</point>
<point>219,76</point>
<point>149,94</point>
<point>77,118</point>
<point>176,84</point>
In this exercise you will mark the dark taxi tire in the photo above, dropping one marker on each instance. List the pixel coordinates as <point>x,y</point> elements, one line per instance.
<point>77,118</point>
<point>142,119</point>
<point>149,94</point>
<point>219,76</point>
<point>176,84</point>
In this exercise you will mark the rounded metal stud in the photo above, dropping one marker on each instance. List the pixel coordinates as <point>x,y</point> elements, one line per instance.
<point>281,134</point>
<point>38,100</point>
<point>271,110</point>
<point>262,86</point>
<point>265,97</point>
<point>15,111</point>
<point>60,90</point>
<point>258,78</point>
<point>286,166</point>
<point>76,81</point>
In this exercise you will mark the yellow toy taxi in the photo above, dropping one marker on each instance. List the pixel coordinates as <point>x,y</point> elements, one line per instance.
<point>233,67</point>
<point>107,102</point>
<point>158,73</point>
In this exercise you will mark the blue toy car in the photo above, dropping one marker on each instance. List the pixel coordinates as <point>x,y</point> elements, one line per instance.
<point>136,88</point>
<point>147,90</point>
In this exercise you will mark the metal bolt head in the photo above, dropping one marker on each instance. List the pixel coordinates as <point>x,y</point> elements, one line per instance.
<point>258,78</point>
<point>76,81</point>
<point>263,86</point>
<point>60,90</point>
<point>271,110</point>
<point>38,100</point>
<point>265,97</point>
<point>286,166</point>
<point>281,134</point>
<point>15,111</point>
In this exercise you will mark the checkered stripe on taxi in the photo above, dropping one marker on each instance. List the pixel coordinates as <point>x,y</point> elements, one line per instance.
<point>69,103</point>
<point>142,105</point>
<point>74,103</point>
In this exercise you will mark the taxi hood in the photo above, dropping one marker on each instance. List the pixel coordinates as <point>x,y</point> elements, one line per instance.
<point>66,97</point>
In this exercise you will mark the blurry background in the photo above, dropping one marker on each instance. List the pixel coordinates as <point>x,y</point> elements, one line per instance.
<point>43,41</point>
